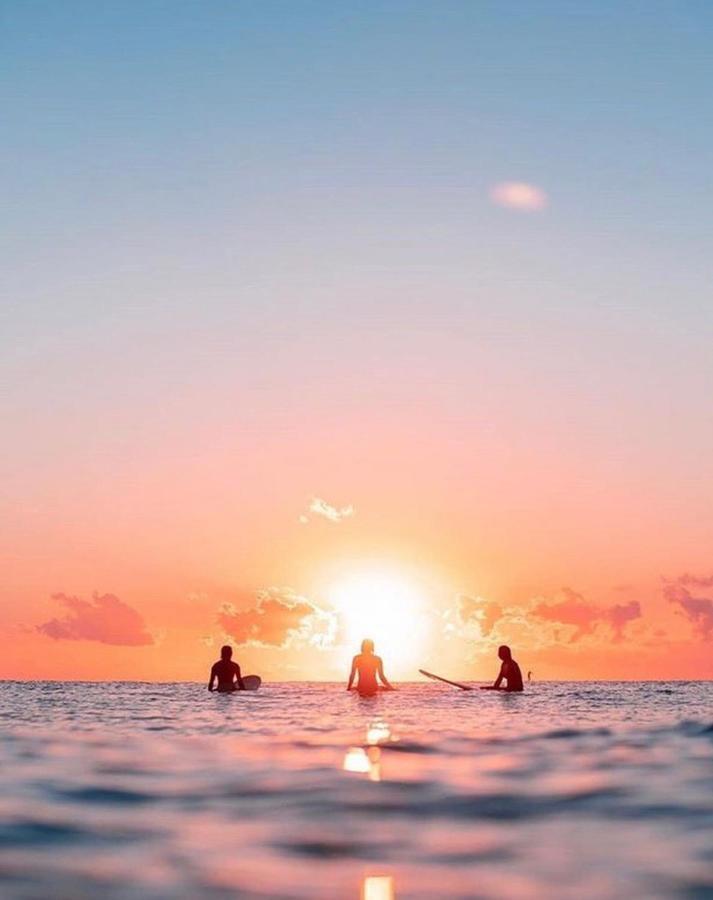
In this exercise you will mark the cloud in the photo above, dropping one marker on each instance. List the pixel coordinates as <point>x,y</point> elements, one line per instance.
<point>620,614</point>
<point>541,622</point>
<point>572,610</point>
<point>334,514</point>
<point>519,195</point>
<point>279,617</point>
<point>585,617</point>
<point>105,618</point>
<point>698,610</point>
<point>484,613</point>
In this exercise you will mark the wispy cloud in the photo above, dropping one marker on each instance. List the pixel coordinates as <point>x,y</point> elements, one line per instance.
<point>519,195</point>
<point>105,619</point>
<point>697,609</point>
<point>319,507</point>
<point>277,618</point>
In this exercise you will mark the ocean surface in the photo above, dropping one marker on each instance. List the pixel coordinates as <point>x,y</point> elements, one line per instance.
<point>570,790</point>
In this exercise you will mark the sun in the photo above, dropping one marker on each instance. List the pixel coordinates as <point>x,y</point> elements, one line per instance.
<point>387,609</point>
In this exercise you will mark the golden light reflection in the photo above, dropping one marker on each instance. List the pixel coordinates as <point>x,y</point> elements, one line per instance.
<point>378,887</point>
<point>363,762</point>
<point>377,732</point>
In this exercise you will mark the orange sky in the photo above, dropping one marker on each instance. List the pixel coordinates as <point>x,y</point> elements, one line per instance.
<point>386,320</point>
<point>296,590</point>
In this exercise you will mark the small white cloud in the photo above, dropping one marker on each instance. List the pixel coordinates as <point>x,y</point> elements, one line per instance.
<point>334,514</point>
<point>303,520</point>
<point>519,195</point>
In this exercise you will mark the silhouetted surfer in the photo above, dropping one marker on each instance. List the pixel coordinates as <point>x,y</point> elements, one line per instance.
<point>368,666</point>
<point>227,672</point>
<point>509,672</point>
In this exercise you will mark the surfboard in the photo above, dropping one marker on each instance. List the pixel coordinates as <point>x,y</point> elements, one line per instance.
<point>463,687</point>
<point>251,682</point>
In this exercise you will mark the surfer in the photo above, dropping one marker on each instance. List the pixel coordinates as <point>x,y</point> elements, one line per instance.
<point>368,666</point>
<point>227,672</point>
<point>509,672</point>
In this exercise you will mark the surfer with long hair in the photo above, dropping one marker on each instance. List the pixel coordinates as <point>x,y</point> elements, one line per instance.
<point>370,669</point>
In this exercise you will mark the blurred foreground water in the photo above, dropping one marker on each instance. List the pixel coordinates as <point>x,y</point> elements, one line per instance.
<point>132,790</point>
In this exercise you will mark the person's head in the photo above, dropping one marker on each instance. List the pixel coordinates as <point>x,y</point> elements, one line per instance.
<point>226,651</point>
<point>367,646</point>
<point>504,652</point>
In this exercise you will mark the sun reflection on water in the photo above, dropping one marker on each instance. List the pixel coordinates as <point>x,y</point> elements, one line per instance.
<point>378,887</point>
<point>363,762</point>
<point>377,732</point>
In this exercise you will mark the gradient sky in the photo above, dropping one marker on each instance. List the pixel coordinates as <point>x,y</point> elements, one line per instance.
<point>258,258</point>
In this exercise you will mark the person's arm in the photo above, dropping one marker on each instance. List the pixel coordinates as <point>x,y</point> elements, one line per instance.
<point>384,680</point>
<point>211,681</point>
<point>352,674</point>
<point>238,675</point>
<point>498,681</point>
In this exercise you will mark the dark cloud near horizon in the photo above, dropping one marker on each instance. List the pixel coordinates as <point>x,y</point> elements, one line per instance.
<point>105,619</point>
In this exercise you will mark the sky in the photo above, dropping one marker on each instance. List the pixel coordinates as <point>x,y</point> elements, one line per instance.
<point>326,320</point>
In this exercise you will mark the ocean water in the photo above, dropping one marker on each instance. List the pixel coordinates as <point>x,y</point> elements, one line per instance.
<point>570,790</point>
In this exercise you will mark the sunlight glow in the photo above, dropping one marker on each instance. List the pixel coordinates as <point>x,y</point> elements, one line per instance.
<point>388,610</point>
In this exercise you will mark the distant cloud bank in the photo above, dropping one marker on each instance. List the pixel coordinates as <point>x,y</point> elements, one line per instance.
<point>519,195</point>
<point>105,619</point>
<point>574,610</point>
<point>568,617</point>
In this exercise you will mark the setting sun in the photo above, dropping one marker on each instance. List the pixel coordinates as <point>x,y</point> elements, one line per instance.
<point>387,609</point>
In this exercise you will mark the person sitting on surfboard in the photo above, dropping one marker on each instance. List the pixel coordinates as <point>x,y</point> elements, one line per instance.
<point>509,672</point>
<point>368,665</point>
<point>225,670</point>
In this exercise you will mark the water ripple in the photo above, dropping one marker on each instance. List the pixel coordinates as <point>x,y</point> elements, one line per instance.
<point>299,792</point>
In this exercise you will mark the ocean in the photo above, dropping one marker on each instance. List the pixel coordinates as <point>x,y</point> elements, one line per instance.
<point>570,790</point>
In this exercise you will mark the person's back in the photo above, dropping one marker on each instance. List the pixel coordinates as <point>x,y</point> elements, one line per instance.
<point>367,665</point>
<point>512,675</point>
<point>369,668</point>
<point>226,672</point>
